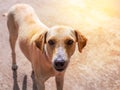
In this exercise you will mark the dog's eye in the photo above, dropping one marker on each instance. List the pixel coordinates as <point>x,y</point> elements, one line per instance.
<point>51,42</point>
<point>70,42</point>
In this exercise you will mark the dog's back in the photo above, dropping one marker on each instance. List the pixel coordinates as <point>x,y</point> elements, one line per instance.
<point>23,15</point>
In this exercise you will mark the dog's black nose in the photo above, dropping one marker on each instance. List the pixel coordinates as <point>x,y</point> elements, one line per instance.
<point>59,65</point>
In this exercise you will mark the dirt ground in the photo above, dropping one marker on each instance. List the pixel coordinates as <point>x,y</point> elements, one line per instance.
<point>96,68</point>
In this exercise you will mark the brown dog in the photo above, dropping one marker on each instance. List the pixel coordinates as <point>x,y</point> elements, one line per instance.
<point>48,49</point>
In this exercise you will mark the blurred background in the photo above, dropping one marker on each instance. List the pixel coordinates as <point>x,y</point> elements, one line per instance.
<point>96,68</point>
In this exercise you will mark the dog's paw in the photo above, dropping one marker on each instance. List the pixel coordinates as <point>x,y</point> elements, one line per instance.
<point>14,67</point>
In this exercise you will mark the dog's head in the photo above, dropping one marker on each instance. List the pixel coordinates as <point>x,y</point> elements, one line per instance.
<point>59,45</point>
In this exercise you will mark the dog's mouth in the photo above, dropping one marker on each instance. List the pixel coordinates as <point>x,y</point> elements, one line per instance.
<point>60,70</point>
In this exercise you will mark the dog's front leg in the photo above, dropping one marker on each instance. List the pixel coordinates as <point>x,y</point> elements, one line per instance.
<point>59,81</point>
<point>40,84</point>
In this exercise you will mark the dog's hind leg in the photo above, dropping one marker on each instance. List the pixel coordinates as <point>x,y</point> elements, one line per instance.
<point>13,34</point>
<point>12,44</point>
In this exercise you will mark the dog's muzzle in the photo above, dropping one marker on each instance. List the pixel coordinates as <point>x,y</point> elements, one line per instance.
<point>60,61</point>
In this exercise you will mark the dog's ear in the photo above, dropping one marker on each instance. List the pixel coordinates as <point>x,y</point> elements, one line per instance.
<point>81,40</point>
<point>40,41</point>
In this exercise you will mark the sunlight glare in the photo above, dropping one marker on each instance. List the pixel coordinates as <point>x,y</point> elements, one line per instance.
<point>95,11</point>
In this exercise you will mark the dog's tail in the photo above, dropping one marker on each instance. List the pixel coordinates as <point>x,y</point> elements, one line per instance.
<point>5,14</point>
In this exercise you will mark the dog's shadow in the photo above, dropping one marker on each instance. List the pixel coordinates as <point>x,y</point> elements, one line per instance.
<point>24,84</point>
